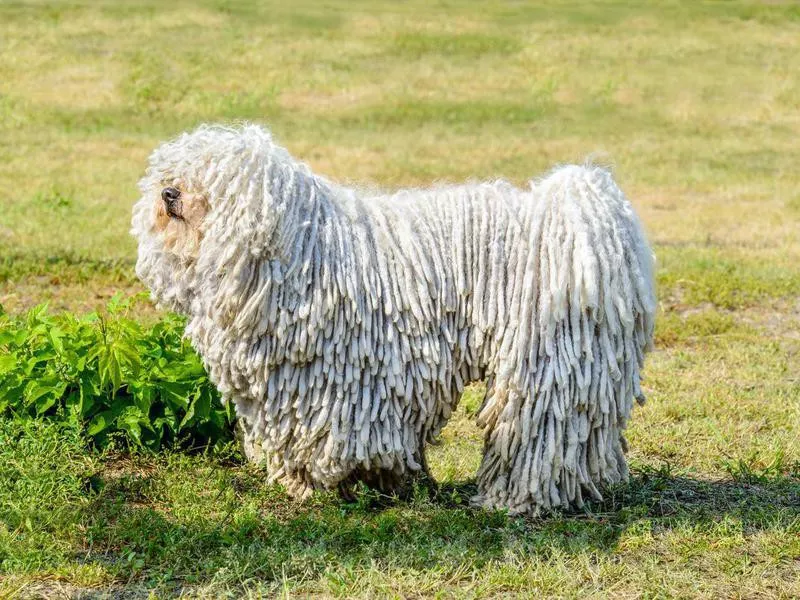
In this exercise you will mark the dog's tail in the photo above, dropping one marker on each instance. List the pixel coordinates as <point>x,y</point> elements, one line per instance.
<point>554,426</point>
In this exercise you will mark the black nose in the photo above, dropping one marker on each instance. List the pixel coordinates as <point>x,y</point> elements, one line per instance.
<point>170,194</point>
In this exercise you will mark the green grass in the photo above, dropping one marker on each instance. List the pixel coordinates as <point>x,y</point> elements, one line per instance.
<point>202,525</point>
<point>695,106</point>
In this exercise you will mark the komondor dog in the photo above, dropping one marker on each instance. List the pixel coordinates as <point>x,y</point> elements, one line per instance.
<point>344,326</point>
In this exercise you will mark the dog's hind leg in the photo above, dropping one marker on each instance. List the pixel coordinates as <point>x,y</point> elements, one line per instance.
<point>561,398</point>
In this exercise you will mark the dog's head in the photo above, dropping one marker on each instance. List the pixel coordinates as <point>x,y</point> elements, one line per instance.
<point>203,196</point>
<point>181,186</point>
<point>215,204</point>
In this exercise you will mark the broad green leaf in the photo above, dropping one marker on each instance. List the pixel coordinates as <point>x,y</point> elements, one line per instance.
<point>45,403</point>
<point>202,406</point>
<point>8,362</point>
<point>87,390</point>
<point>189,412</point>
<point>8,336</point>
<point>130,421</point>
<point>98,424</point>
<point>176,393</point>
<point>35,390</point>
<point>55,337</point>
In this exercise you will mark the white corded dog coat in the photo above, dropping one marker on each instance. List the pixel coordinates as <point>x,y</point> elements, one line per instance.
<point>344,326</point>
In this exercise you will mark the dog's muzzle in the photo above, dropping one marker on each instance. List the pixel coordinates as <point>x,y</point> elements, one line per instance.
<point>172,201</point>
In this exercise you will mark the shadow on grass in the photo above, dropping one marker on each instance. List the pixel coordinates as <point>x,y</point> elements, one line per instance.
<point>235,528</point>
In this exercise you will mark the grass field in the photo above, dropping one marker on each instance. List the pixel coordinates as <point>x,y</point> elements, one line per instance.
<point>695,104</point>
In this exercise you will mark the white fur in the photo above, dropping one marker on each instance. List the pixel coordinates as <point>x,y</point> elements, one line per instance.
<point>344,327</point>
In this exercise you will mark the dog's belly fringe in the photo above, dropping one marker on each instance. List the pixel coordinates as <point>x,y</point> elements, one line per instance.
<point>343,360</point>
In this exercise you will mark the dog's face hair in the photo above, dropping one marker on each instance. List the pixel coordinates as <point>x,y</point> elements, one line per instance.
<point>178,217</point>
<point>213,178</point>
<point>172,217</point>
<point>175,202</point>
<point>208,201</point>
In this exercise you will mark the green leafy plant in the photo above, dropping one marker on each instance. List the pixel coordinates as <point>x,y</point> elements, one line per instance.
<point>119,380</point>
